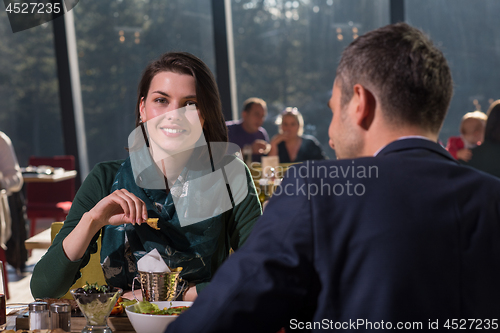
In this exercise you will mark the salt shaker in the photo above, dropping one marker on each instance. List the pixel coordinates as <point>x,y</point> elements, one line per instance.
<point>39,316</point>
<point>60,316</point>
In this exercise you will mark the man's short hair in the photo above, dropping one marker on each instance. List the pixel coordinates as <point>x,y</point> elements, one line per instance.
<point>247,105</point>
<point>404,69</point>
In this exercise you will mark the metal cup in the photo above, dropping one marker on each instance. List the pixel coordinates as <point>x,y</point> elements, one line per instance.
<point>160,286</point>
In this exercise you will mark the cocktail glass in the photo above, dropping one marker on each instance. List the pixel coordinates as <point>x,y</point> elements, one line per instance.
<point>96,308</point>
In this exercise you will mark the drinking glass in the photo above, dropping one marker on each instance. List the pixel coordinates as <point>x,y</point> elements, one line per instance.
<point>96,308</point>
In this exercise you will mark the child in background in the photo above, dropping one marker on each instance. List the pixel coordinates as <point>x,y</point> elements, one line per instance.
<point>471,135</point>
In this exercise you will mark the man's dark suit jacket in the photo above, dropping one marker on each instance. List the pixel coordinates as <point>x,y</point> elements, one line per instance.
<point>418,243</point>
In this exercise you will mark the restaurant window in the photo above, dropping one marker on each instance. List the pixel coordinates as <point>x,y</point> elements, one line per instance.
<point>286,52</point>
<point>467,33</point>
<point>29,93</point>
<point>115,41</point>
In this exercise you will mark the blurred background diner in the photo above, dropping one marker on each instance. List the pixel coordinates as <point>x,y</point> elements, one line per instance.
<point>248,132</point>
<point>471,135</point>
<point>290,145</point>
<point>68,86</point>
<point>486,157</point>
<point>12,233</point>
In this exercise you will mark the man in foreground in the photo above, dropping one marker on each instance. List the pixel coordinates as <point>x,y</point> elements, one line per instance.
<point>395,235</point>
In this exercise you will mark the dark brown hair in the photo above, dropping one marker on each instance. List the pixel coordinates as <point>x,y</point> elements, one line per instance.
<point>404,69</point>
<point>207,93</point>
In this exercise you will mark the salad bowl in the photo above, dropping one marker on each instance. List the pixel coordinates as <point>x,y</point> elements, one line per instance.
<point>143,321</point>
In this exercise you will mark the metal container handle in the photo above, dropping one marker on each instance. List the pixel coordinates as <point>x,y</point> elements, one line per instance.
<point>181,289</point>
<point>133,283</point>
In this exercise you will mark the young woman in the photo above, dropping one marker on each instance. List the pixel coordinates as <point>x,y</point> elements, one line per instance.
<point>289,144</point>
<point>179,120</point>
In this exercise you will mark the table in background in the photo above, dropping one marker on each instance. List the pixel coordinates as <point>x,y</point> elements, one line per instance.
<point>39,241</point>
<point>52,178</point>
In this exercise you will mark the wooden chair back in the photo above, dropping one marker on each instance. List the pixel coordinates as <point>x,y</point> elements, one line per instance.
<point>90,273</point>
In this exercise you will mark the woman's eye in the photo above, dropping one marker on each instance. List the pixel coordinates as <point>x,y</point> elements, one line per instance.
<point>191,103</point>
<point>160,100</point>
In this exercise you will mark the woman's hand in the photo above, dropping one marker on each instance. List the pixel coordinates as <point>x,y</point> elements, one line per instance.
<point>119,207</point>
<point>464,154</point>
<point>275,141</point>
<point>278,138</point>
<point>190,294</point>
<point>129,295</point>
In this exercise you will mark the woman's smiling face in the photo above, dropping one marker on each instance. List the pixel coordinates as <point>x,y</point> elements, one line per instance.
<point>170,110</point>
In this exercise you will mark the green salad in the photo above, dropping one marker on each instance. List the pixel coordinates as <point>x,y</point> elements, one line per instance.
<point>146,307</point>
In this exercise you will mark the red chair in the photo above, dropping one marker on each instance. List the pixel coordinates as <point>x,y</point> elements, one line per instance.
<point>50,200</point>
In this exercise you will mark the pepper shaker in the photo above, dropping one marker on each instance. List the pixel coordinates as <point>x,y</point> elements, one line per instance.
<point>39,316</point>
<point>60,316</point>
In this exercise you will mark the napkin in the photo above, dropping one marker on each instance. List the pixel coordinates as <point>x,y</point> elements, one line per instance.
<point>152,262</point>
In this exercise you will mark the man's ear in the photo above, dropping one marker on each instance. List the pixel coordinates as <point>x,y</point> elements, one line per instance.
<point>365,111</point>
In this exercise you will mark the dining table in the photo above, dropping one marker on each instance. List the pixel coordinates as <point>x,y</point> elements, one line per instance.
<point>18,321</point>
<point>41,240</point>
<point>32,177</point>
